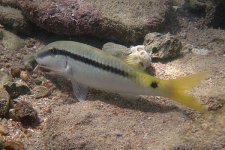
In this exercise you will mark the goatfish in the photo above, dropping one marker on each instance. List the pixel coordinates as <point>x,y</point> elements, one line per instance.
<point>86,66</point>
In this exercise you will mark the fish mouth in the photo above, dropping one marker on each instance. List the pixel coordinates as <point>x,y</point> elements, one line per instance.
<point>43,68</point>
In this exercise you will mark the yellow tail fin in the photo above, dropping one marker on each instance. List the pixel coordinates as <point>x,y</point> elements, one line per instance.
<point>175,89</point>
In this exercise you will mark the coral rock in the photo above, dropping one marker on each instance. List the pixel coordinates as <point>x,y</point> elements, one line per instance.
<point>124,21</point>
<point>15,89</point>
<point>25,113</point>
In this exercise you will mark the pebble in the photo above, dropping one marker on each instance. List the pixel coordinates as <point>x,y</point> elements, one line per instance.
<point>12,41</point>
<point>15,72</point>
<point>24,76</point>
<point>4,78</point>
<point>41,92</point>
<point>13,145</point>
<point>117,50</point>
<point>4,103</point>
<point>37,81</point>
<point>15,89</point>
<point>3,130</point>
<point>162,46</point>
<point>25,113</point>
<point>29,62</point>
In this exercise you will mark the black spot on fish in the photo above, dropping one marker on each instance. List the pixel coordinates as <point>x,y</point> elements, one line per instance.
<point>154,84</point>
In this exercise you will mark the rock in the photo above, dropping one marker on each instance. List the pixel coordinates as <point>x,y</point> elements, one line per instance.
<point>15,89</point>
<point>29,62</point>
<point>1,143</point>
<point>161,46</point>
<point>11,3</point>
<point>24,76</point>
<point>13,19</point>
<point>13,145</point>
<point>116,49</point>
<point>209,9</point>
<point>198,6</point>
<point>4,97</point>
<point>124,21</point>
<point>38,81</point>
<point>41,91</point>
<point>15,72</point>
<point>139,57</point>
<point>25,113</point>
<point>3,130</point>
<point>12,41</point>
<point>4,78</point>
<point>5,104</point>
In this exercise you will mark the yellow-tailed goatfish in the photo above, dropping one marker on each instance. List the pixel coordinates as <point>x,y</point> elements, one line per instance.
<point>87,66</point>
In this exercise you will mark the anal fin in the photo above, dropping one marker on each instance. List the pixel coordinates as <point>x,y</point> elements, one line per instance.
<point>80,91</point>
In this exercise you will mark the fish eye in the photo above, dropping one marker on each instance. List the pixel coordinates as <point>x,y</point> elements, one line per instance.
<point>51,49</point>
<point>154,84</point>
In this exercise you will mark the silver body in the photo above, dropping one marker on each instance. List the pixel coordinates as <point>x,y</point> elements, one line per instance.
<point>89,75</point>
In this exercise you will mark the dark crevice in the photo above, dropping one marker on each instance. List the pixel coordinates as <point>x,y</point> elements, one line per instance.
<point>218,20</point>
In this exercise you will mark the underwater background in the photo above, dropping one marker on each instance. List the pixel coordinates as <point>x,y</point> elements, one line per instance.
<point>168,39</point>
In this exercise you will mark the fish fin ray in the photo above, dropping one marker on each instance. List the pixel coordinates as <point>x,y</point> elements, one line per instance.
<point>80,91</point>
<point>175,90</point>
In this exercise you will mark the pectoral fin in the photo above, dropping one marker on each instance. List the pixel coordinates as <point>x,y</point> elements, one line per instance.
<point>80,91</point>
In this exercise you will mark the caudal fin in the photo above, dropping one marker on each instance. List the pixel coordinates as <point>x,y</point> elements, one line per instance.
<point>175,89</point>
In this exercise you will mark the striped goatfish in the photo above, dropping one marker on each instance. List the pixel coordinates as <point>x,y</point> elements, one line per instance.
<point>87,66</point>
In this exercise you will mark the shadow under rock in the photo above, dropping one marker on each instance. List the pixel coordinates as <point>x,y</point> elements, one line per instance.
<point>166,60</point>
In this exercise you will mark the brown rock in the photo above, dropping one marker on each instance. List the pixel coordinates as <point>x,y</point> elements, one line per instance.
<point>24,76</point>
<point>15,72</point>
<point>41,91</point>
<point>3,130</point>
<point>26,114</point>
<point>13,145</point>
<point>124,21</point>
<point>13,18</point>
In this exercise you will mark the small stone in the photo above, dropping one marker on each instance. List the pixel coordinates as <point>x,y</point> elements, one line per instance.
<point>1,143</point>
<point>7,65</point>
<point>24,76</point>
<point>41,91</point>
<point>15,89</point>
<point>13,145</point>
<point>29,62</point>
<point>12,41</point>
<point>4,103</point>
<point>18,55</point>
<point>31,43</point>
<point>116,49</point>
<point>15,72</point>
<point>37,81</point>
<point>26,114</point>
<point>3,130</point>
<point>162,47</point>
<point>4,78</point>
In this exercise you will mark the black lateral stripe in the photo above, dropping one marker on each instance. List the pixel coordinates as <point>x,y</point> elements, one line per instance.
<point>85,60</point>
